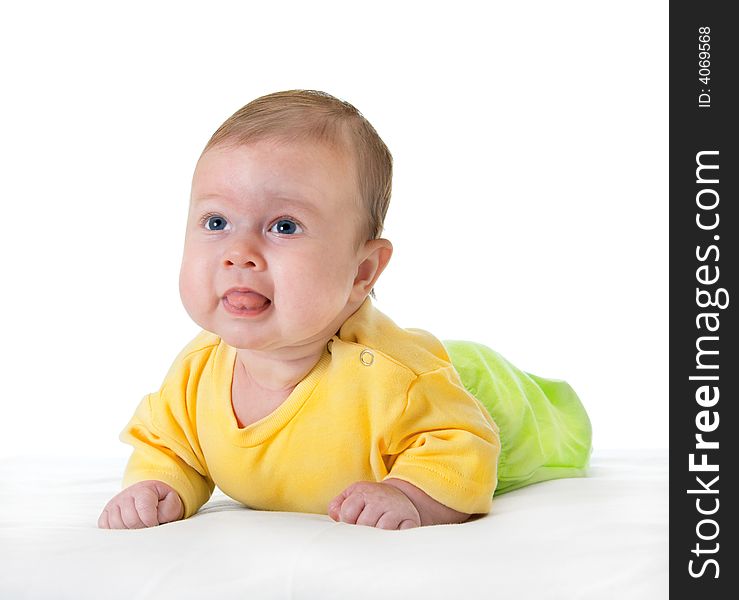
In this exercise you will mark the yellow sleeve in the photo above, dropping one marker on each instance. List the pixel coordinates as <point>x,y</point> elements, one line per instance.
<point>164,437</point>
<point>446,444</point>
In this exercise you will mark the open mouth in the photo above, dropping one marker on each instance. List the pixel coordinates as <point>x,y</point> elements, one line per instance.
<point>245,302</point>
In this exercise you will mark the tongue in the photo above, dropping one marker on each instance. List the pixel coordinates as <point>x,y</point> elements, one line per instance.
<point>246,300</point>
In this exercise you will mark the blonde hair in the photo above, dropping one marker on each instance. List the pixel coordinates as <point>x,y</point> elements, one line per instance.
<point>310,114</point>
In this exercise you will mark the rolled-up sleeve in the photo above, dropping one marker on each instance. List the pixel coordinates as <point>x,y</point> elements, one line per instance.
<point>163,438</point>
<point>445,443</point>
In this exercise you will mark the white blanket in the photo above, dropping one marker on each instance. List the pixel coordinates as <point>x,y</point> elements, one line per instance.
<point>595,538</point>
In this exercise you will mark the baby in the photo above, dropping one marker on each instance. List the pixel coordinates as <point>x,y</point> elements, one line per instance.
<point>299,395</point>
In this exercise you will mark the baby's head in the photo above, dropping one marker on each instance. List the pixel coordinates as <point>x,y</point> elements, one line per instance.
<point>288,202</point>
<point>319,118</point>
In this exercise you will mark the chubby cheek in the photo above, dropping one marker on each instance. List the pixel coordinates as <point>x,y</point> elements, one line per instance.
<point>196,289</point>
<point>318,292</point>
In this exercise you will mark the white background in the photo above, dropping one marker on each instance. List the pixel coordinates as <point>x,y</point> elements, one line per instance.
<point>529,209</point>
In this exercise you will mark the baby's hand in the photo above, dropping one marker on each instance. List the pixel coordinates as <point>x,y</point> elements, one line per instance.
<point>143,504</point>
<point>374,504</point>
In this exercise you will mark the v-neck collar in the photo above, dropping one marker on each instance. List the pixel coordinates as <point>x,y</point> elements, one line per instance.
<point>259,431</point>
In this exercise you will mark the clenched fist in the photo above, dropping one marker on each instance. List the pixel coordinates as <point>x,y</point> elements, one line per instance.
<point>375,504</point>
<point>143,504</point>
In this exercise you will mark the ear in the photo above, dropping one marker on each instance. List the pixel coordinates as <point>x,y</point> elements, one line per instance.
<point>376,255</point>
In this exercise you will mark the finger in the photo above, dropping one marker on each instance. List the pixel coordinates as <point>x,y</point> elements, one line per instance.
<point>408,524</point>
<point>170,509</point>
<point>145,503</point>
<point>333,508</point>
<point>129,514</point>
<point>390,521</point>
<point>370,515</point>
<point>351,508</point>
<point>103,519</point>
<point>114,517</point>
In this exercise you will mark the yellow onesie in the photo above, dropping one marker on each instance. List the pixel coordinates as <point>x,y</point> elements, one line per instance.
<point>381,402</point>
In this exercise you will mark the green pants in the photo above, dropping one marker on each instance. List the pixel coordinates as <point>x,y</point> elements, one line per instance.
<point>544,430</point>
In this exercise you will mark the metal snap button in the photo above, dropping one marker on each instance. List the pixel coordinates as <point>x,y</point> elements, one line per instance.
<point>367,358</point>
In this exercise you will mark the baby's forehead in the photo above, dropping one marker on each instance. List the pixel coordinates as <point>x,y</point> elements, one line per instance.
<point>309,147</point>
<point>293,169</point>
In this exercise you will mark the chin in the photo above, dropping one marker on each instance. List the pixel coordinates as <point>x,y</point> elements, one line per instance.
<point>242,340</point>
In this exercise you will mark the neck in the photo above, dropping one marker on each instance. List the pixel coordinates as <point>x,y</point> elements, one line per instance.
<point>281,370</point>
<point>275,374</point>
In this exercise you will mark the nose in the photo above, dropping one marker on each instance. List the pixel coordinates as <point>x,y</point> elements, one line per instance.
<point>244,254</point>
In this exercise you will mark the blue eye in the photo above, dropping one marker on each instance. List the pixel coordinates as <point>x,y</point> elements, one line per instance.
<point>286,227</point>
<point>214,222</point>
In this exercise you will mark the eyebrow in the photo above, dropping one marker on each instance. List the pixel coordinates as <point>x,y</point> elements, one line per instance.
<point>278,198</point>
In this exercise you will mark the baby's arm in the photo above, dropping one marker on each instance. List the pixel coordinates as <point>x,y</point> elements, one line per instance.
<point>390,504</point>
<point>143,504</point>
<point>446,445</point>
<point>431,511</point>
